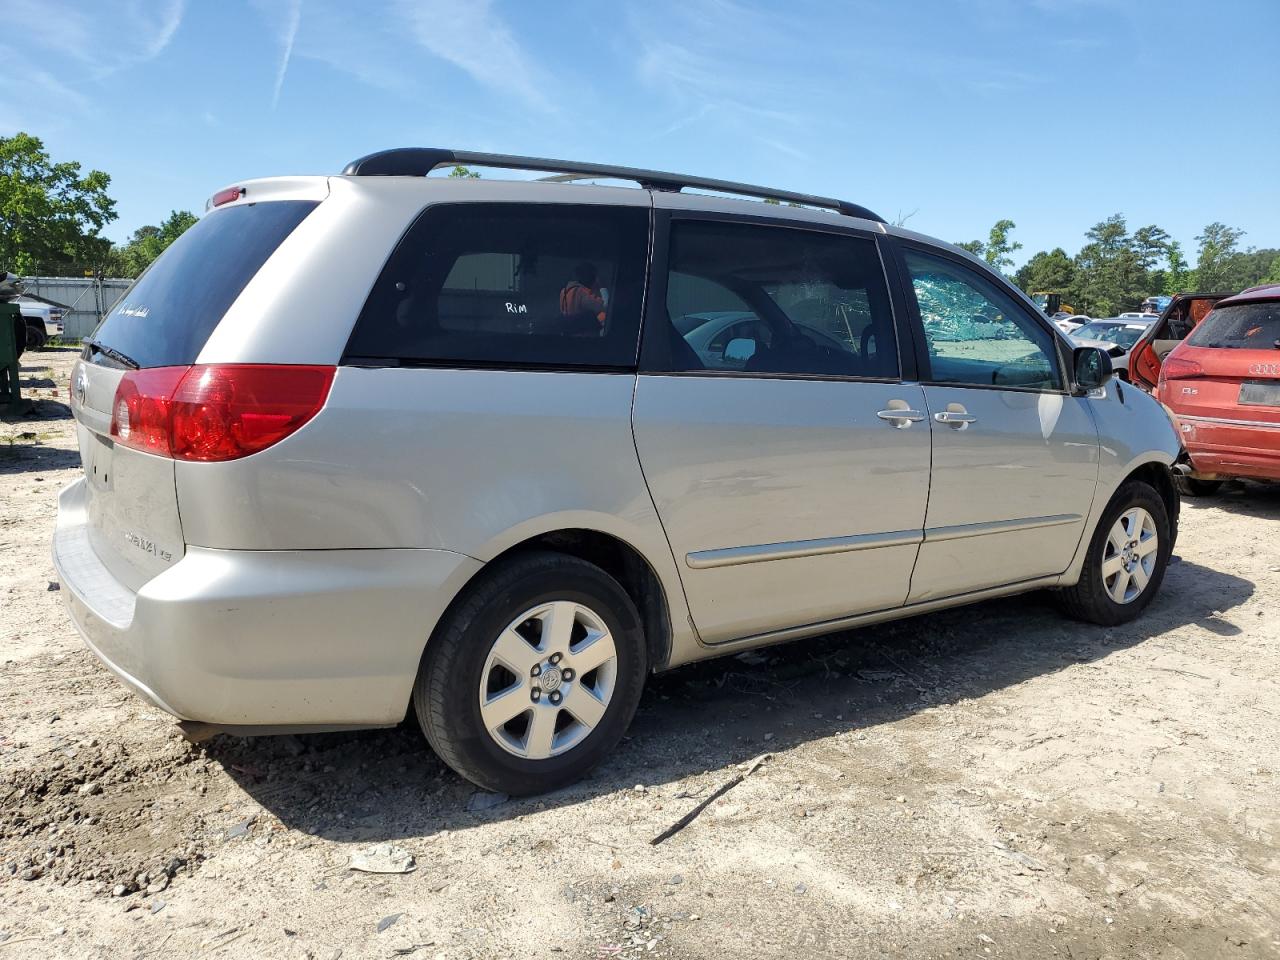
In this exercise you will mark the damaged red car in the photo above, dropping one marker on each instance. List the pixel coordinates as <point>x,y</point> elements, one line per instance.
<point>1222,387</point>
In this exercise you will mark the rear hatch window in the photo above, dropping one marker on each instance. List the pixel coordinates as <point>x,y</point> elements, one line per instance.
<point>167,316</point>
<point>1240,326</point>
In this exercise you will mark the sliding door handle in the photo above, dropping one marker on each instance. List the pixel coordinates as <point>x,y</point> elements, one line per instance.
<point>955,418</point>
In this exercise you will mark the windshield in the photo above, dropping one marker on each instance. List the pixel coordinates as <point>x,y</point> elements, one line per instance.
<point>1125,334</point>
<point>1241,326</point>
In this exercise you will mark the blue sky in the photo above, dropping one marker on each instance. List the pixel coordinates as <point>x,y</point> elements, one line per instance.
<point>1054,113</point>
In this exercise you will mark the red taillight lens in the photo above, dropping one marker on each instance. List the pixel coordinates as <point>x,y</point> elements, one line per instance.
<point>1175,368</point>
<point>216,412</point>
<point>140,413</point>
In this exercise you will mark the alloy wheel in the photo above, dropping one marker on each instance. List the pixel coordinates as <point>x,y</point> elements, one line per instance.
<point>548,680</point>
<point>1130,556</point>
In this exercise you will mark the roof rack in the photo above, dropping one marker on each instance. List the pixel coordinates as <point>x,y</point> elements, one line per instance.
<point>420,161</point>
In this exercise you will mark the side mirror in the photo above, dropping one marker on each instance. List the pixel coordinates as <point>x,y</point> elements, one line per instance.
<point>1092,367</point>
<point>739,350</point>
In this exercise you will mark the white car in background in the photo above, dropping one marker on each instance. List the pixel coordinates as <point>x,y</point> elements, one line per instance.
<point>1069,322</point>
<point>1115,335</point>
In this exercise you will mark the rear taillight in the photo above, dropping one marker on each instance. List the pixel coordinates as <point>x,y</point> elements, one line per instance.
<point>215,412</point>
<point>1175,368</point>
<point>140,413</point>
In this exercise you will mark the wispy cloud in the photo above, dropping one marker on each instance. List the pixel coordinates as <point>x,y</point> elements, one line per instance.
<point>162,28</point>
<point>290,37</point>
<point>87,42</point>
<point>111,35</point>
<point>472,36</point>
<point>736,67</point>
<point>31,83</point>
<point>340,35</point>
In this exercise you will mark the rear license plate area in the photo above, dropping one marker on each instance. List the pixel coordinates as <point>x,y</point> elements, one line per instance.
<point>1264,394</point>
<point>97,461</point>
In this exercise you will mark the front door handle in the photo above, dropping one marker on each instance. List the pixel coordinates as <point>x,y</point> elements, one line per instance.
<point>956,419</point>
<point>900,417</point>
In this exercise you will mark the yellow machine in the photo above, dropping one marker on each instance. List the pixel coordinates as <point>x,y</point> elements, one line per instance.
<point>1051,303</point>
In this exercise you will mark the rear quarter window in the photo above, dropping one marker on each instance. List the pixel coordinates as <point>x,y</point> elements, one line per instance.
<point>551,285</point>
<point>166,317</point>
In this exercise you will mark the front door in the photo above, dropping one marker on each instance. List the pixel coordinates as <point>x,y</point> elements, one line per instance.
<point>788,461</point>
<point>1015,455</point>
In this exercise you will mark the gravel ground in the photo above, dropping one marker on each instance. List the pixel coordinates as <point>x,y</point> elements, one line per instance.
<point>994,781</point>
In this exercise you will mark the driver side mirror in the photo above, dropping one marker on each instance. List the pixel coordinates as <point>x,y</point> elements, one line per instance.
<point>739,350</point>
<point>1092,367</point>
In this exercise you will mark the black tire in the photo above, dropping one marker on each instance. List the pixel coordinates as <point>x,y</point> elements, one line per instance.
<point>445,695</point>
<point>36,337</point>
<point>1191,487</point>
<point>1089,600</point>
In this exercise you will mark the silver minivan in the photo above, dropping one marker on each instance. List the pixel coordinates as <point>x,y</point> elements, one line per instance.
<point>500,449</point>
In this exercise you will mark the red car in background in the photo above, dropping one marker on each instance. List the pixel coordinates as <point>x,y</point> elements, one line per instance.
<point>1222,386</point>
<point>1180,317</point>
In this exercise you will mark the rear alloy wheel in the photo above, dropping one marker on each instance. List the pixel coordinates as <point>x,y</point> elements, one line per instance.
<point>548,680</point>
<point>1191,487</point>
<point>534,675</point>
<point>1126,561</point>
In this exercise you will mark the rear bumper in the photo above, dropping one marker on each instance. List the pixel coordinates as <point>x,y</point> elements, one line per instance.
<point>1221,447</point>
<point>262,638</point>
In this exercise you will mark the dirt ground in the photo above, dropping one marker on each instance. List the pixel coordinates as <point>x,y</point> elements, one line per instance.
<point>988,782</point>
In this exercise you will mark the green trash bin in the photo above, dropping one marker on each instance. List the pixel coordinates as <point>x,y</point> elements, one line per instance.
<point>10,321</point>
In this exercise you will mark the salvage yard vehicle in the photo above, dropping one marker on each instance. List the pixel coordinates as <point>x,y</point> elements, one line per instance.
<point>365,441</point>
<point>1179,318</point>
<point>1222,385</point>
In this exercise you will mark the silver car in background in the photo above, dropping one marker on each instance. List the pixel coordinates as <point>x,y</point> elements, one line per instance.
<point>365,443</point>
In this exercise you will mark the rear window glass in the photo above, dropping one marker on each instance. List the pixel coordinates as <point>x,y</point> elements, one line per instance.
<point>166,317</point>
<point>1242,326</point>
<point>510,285</point>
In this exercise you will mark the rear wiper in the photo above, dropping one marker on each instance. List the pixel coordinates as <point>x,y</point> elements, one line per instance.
<point>123,359</point>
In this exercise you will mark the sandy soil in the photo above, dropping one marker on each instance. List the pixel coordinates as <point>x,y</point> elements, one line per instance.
<point>988,782</point>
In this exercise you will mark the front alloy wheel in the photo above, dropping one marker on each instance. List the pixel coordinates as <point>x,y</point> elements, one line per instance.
<point>1127,557</point>
<point>1130,555</point>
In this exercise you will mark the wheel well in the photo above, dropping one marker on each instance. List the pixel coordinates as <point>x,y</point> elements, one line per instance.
<point>1160,477</point>
<point>622,562</point>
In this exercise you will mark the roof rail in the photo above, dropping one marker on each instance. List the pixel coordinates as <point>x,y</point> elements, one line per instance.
<point>420,161</point>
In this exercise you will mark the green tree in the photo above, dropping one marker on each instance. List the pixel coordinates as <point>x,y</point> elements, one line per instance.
<point>1217,250</point>
<point>1249,268</point>
<point>1051,272</point>
<point>51,214</point>
<point>1273,274</point>
<point>460,172</point>
<point>1111,271</point>
<point>149,242</point>
<point>999,246</point>
<point>1178,278</point>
